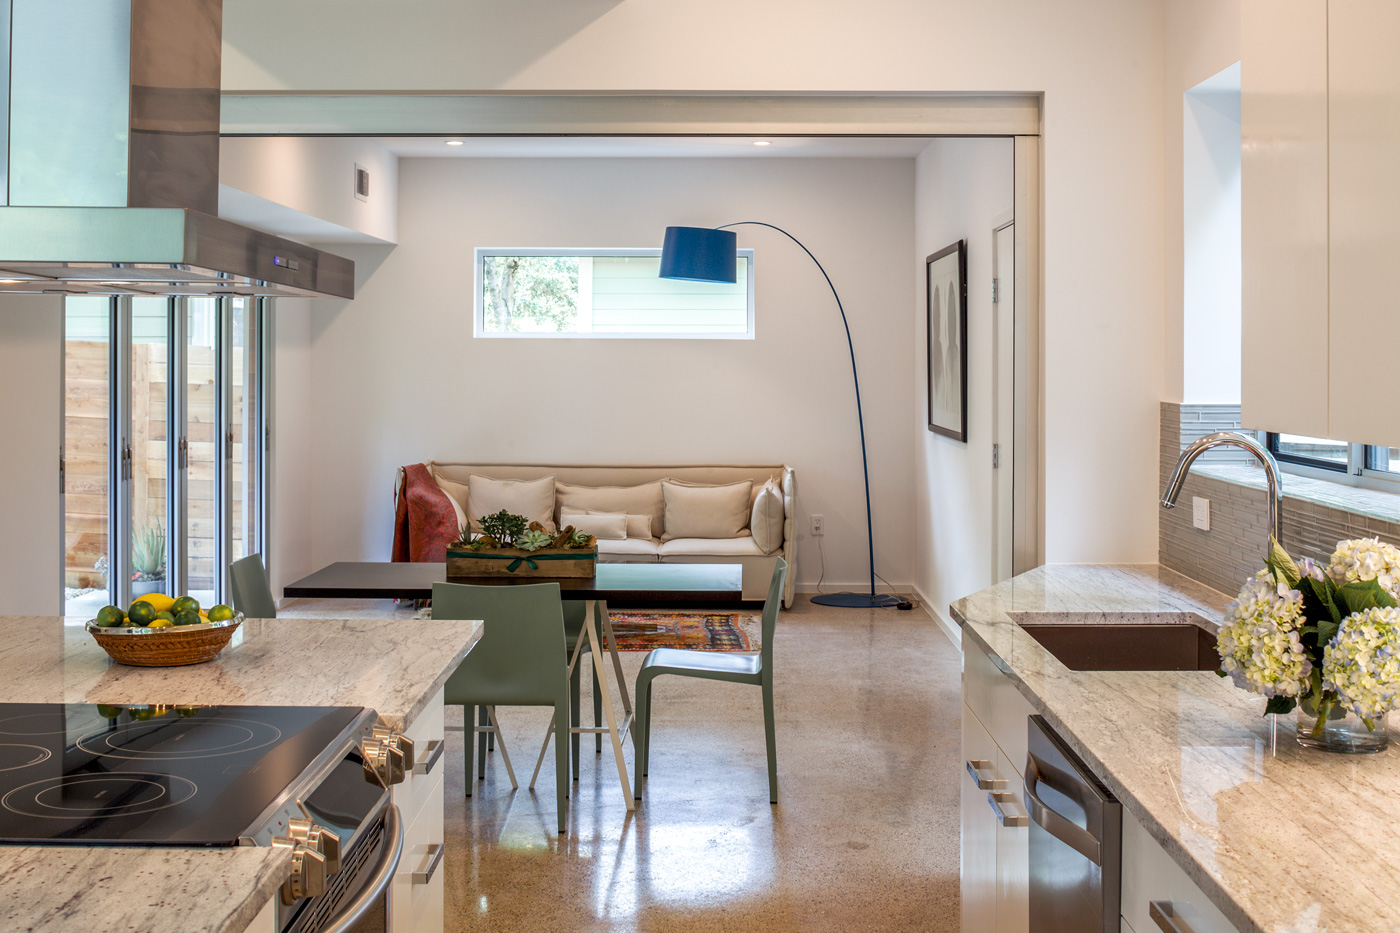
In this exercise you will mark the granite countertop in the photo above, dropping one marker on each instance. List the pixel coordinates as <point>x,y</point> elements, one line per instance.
<point>107,889</point>
<point>1281,839</point>
<point>395,667</point>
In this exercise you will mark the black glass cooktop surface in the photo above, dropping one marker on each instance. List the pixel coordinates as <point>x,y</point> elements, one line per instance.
<point>152,775</point>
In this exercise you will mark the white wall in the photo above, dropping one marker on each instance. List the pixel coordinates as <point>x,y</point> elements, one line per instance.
<point>1211,240</point>
<point>294,467</point>
<point>304,187</point>
<point>960,186</point>
<point>399,378</point>
<point>31,386</point>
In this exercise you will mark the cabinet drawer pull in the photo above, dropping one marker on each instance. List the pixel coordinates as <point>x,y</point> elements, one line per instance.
<point>975,767</point>
<point>1164,915</point>
<point>425,876</point>
<point>435,749</point>
<point>995,800</point>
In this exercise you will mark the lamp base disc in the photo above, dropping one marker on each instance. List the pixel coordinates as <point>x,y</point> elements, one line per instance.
<point>858,600</point>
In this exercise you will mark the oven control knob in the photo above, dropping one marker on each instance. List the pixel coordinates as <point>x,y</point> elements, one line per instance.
<point>384,762</point>
<point>319,838</point>
<point>398,740</point>
<point>308,876</point>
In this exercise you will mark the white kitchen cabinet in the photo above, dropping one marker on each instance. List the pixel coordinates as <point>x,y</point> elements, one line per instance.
<point>416,892</point>
<point>1151,875</point>
<point>1283,134</point>
<point>1320,130</point>
<point>266,920</point>
<point>995,856</point>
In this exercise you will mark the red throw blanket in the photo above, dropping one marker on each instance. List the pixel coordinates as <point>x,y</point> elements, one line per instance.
<point>424,520</point>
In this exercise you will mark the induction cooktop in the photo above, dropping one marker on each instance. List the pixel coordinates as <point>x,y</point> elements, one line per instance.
<point>153,775</point>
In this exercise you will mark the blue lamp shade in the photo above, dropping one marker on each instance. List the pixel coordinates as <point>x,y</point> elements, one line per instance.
<point>700,254</point>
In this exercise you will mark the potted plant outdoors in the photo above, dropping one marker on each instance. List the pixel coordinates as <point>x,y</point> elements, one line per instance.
<point>509,545</point>
<point>148,560</point>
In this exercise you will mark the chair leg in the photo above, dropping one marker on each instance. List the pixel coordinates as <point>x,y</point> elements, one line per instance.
<point>575,714</point>
<point>641,719</point>
<point>505,753</point>
<point>561,764</point>
<point>597,714</point>
<point>468,745</point>
<point>770,734</point>
<point>483,719</point>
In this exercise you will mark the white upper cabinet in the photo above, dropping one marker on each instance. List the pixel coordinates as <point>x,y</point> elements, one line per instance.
<point>1283,134</point>
<point>1320,129</point>
<point>1364,222</point>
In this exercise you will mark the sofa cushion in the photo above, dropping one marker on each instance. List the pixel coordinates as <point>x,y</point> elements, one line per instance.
<point>645,499</point>
<point>638,526</point>
<point>709,547</point>
<point>533,499</point>
<point>766,519</point>
<point>629,550</point>
<point>605,526</point>
<point>452,497</point>
<point>705,511</point>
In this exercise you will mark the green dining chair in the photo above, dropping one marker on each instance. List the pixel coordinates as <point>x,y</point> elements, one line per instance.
<point>519,661</point>
<point>755,669</point>
<point>251,594</point>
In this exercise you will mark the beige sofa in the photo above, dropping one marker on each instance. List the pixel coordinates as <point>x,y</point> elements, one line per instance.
<point>741,549</point>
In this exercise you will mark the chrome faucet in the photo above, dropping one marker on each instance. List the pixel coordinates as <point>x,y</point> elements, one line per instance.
<point>1230,439</point>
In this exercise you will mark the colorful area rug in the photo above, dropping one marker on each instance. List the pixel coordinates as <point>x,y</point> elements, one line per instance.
<point>699,631</point>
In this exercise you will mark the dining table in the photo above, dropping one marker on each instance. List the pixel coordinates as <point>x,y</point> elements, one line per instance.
<point>667,584</point>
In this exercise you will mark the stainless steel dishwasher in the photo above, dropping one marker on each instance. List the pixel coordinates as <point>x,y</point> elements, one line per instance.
<point>1076,840</point>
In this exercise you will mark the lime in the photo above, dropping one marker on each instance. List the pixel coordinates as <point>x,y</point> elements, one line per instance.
<point>108,712</point>
<point>109,616</point>
<point>183,603</point>
<point>220,613</point>
<point>141,613</point>
<point>186,712</point>
<point>166,615</point>
<point>188,617</point>
<point>161,623</point>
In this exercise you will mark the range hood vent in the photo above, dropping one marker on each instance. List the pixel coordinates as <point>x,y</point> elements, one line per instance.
<point>109,159</point>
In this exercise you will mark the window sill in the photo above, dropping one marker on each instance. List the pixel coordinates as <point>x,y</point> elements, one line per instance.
<point>1369,502</point>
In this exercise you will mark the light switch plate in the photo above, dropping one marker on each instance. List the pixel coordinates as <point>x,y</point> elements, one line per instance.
<point>1200,513</point>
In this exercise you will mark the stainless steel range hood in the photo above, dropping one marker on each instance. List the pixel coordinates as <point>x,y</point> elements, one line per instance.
<point>109,162</point>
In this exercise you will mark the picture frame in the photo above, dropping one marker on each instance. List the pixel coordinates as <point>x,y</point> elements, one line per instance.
<point>945,280</point>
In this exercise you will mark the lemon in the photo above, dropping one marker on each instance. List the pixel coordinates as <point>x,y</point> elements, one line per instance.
<point>141,613</point>
<point>183,603</point>
<point>161,623</point>
<point>220,613</point>
<point>159,601</point>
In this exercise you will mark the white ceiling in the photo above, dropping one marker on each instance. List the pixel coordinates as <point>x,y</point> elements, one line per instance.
<point>656,147</point>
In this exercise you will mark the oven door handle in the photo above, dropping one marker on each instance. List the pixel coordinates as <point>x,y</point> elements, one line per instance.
<point>379,881</point>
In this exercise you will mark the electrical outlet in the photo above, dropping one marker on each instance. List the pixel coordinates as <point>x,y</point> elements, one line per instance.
<point>817,526</point>
<point>1200,513</point>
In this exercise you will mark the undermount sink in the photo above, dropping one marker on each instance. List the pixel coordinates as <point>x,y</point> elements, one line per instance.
<point>1129,641</point>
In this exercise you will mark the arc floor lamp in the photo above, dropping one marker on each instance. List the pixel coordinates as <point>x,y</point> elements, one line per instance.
<point>710,254</point>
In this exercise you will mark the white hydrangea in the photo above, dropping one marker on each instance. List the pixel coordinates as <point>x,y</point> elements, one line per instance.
<point>1361,559</point>
<point>1362,663</point>
<point>1259,642</point>
<point>1311,569</point>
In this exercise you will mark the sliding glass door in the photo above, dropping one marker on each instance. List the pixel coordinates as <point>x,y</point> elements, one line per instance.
<point>163,462</point>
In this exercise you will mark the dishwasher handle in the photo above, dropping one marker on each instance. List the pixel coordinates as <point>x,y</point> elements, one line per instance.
<point>1057,825</point>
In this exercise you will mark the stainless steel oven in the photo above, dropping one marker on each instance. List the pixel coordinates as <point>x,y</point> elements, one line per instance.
<point>1076,840</point>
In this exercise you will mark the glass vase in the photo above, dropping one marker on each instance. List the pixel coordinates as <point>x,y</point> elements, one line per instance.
<point>1328,725</point>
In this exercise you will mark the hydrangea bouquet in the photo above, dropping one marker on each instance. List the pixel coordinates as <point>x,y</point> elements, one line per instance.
<point>1324,639</point>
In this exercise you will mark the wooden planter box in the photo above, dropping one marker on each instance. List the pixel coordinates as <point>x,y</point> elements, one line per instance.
<point>513,562</point>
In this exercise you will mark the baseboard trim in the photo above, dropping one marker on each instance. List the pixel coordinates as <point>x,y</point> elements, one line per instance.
<point>946,625</point>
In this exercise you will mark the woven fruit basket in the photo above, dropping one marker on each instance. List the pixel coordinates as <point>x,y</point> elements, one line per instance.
<point>172,646</point>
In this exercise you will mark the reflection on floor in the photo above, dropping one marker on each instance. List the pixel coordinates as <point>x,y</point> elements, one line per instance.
<point>865,836</point>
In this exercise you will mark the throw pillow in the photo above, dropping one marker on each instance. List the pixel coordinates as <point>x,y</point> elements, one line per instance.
<point>706,511</point>
<point>605,526</point>
<point>456,494</point>
<point>533,499</point>
<point>766,520</point>
<point>633,500</point>
<point>638,526</point>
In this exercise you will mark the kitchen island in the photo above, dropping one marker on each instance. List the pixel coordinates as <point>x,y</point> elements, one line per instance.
<point>1279,839</point>
<point>397,668</point>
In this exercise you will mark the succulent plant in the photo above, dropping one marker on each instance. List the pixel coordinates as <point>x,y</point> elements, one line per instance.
<point>581,539</point>
<point>504,527</point>
<point>534,540</point>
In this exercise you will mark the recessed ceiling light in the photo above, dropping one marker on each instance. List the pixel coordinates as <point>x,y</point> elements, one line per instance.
<point>761,142</point>
<point>454,142</point>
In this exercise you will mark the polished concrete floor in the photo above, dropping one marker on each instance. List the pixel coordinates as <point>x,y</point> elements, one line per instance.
<point>864,837</point>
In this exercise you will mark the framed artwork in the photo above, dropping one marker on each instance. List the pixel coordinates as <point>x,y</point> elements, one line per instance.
<point>947,341</point>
